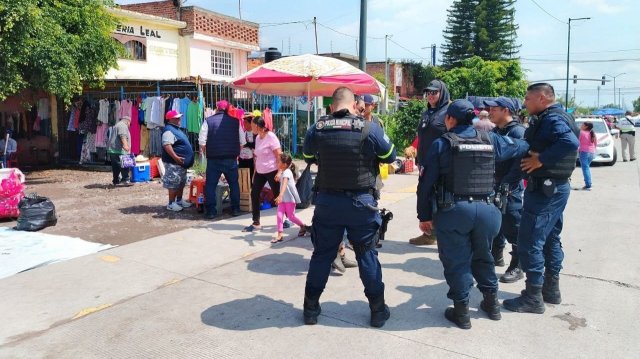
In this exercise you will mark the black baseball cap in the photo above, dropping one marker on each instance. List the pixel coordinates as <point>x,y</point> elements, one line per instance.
<point>503,102</point>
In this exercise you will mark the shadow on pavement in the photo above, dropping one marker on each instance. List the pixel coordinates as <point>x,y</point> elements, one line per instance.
<point>286,264</point>
<point>400,247</point>
<point>426,267</point>
<point>252,313</point>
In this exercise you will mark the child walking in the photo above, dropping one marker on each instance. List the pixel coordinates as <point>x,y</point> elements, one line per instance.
<point>288,197</point>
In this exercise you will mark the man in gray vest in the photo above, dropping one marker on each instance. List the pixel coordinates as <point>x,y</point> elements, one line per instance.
<point>627,137</point>
<point>221,138</point>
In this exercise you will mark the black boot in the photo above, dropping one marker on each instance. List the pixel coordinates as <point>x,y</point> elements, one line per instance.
<point>459,314</point>
<point>551,288</point>
<point>311,309</point>
<point>491,305</point>
<point>513,272</point>
<point>498,256</point>
<point>529,301</point>
<point>379,311</point>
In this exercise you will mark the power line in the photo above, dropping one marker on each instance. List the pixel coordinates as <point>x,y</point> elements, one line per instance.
<point>344,34</point>
<point>546,12</point>
<point>409,51</point>
<point>587,52</point>
<point>267,24</point>
<point>553,61</point>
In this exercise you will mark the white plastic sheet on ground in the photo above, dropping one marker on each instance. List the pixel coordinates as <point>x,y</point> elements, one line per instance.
<point>20,251</point>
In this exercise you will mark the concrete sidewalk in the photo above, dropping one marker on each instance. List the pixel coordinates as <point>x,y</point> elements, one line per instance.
<point>215,292</point>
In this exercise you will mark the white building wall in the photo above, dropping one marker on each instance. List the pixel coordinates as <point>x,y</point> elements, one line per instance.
<point>200,58</point>
<point>162,54</point>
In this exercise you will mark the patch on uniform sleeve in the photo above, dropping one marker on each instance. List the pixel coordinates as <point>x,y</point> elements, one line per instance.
<point>320,125</point>
<point>386,138</point>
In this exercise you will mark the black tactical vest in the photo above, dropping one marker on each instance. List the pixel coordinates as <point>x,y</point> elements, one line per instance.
<point>343,165</point>
<point>565,166</point>
<point>472,165</point>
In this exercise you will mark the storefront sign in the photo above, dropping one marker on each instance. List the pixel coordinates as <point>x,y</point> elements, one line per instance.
<point>141,31</point>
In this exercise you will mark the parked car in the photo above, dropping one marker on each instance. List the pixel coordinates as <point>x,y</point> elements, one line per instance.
<point>606,152</point>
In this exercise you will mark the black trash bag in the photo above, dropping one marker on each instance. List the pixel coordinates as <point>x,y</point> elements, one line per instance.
<point>305,188</point>
<point>36,213</point>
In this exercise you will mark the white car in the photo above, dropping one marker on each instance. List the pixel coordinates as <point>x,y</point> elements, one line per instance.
<point>606,149</point>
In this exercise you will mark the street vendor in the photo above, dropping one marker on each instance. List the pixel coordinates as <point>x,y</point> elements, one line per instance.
<point>177,156</point>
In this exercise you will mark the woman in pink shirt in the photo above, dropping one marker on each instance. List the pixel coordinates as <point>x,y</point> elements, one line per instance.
<point>267,160</point>
<point>588,143</point>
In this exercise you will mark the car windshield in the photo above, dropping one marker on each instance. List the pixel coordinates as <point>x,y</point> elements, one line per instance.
<point>598,127</point>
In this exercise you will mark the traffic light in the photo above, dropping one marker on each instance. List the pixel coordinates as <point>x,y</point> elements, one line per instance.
<point>575,79</point>
<point>603,77</point>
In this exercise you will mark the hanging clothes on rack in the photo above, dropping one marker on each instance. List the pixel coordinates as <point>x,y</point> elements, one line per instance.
<point>125,108</point>
<point>134,130</point>
<point>103,111</point>
<point>268,118</point>
<point>184,110</point>
<point>195,113</point>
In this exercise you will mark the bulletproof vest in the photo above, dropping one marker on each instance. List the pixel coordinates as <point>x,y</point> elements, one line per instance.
<point>472,165</point>
<point>223,139</point>
<point>343,164</point>
<point>503,168</point>
<point>565,166</point>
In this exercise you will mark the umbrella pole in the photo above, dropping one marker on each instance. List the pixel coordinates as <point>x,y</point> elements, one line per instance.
<point>309,105</point>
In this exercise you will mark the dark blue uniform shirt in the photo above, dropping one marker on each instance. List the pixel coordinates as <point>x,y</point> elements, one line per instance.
<point>438,162</point>
<point>554,130</point>
<point>514,174</point>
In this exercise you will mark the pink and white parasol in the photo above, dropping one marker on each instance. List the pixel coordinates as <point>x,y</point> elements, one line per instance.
<point>307,75</point>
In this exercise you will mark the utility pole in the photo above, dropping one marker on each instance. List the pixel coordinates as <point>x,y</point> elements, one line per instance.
<point>315,29</point>
<point>619,98</point>
<point>362,51</point>
<point>614,86</point>
<point>433,54</point>
<point>239,11</point>
<point>566,98</point>
<point>598,106</point>
<point>386,75</point>
<point>574,97</point>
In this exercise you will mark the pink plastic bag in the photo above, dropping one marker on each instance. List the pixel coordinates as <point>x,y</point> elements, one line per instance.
<point>11,192</point>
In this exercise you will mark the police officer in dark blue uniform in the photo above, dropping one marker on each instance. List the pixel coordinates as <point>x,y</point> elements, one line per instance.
<point>430,128</point>
<point>348,151</point>
<point>553,139</point>
<point>509,188</point>
<point>457,179</point>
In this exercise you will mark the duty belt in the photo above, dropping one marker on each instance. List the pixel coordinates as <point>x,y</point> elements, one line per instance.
<point>488,199</point>
<point>349,193</point>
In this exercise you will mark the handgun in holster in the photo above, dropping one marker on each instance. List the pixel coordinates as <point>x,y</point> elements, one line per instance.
<point>444,198</point>
<point>502,197</point>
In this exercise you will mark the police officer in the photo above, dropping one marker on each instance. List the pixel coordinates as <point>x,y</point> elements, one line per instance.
<point>509,188</point>
<point>431,127</point>
<point>457,174</point>
<point>348,151</point>
<point>553,139</point>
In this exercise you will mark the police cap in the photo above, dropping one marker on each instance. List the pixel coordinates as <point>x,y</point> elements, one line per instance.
<point>461,110</point>
<point>503,102</point>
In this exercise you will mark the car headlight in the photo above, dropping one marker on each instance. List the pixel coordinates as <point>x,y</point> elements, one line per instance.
<point>604,144</point>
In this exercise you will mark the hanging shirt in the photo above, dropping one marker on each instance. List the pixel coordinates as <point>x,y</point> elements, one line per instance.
<point>103,111</point>
<point>176,105</point>
<point>125,108</point>
<point>43,108</point>
<point>195,117</point>
<point>184,107</point>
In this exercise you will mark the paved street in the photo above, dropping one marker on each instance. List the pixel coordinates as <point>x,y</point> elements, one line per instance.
<point>214,292</point>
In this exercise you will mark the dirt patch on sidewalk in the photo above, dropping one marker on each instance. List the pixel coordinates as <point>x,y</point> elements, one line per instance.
<point>88,207</point>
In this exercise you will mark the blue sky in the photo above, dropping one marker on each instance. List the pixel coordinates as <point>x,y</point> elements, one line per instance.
<point>613,33</point>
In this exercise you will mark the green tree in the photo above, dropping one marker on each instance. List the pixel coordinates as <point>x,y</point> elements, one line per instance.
<point>636,105</point>
<point>56,46</point>
<point>401,126</point>
<point>484,28</point>
<point>495,30</point>
<point>390,89</point>
<point>458,36</point>
<point>477,77</point>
